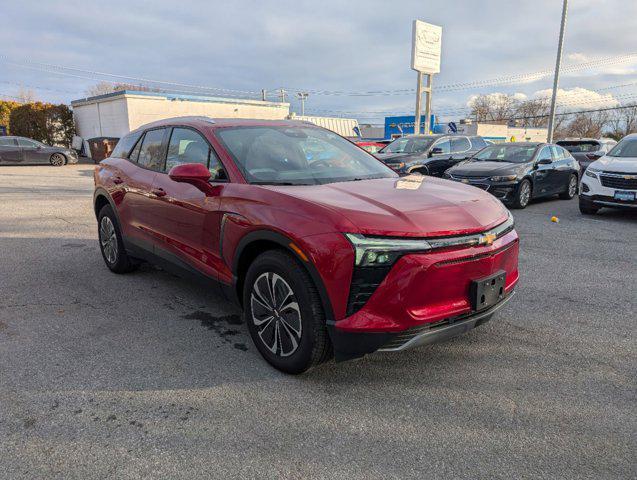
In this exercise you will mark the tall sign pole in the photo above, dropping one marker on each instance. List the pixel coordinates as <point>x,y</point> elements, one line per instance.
<point>556,77</point>
<point>426,40</point>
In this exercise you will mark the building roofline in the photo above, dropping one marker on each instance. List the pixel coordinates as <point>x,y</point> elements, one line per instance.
<point>175,97</point>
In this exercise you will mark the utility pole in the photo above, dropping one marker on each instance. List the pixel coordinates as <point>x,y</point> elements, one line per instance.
<point>302,96</point>
<point>556,78</point>
<point>282,93</point>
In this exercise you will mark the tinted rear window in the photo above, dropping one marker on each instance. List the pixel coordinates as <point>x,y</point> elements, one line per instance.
<point>125,145</point>
<point>580,146</point>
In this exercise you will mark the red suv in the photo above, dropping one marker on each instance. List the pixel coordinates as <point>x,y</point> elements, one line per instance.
<point>329,252</point>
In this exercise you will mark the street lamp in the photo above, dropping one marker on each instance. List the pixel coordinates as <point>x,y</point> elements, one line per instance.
<point>302,96</point>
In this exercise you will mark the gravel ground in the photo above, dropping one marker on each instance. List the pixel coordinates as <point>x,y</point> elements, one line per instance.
<point>149,376</point>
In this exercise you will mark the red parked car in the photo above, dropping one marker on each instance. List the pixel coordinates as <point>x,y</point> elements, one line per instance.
<point>336,256</point>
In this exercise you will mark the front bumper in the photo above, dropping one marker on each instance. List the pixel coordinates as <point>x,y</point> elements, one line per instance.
<point>503,191</point>
<point>349,345</point>
<point>593,192</point>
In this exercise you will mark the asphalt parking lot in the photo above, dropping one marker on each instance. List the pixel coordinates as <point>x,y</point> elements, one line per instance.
<point>149,376</point>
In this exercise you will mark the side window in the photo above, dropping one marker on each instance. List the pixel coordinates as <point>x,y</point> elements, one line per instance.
<point>7,142</point>
<point>125,144</point>
<point>23,142</point>
<point>478,142</point>
<point>188,146</point>
<point>150,152</point>
<point>445,145</point>
<point>556,153</point>
<point>545,153</point>
<point>460,144</point>
<point>134,155</point>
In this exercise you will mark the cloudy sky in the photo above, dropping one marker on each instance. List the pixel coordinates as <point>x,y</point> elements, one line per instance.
<point>352,47</point>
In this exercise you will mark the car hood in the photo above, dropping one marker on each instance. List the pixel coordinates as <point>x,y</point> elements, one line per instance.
<point>485,168</point>
<point>416,206</point>
<point>616,164</point>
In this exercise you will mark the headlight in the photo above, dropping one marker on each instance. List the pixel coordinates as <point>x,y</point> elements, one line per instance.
<point>591,172</point>
<point>379,252</point>
<point>383,252</point>
<point>506,178</point>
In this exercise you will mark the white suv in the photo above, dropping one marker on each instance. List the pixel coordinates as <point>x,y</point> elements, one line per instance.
<point>611,181</point>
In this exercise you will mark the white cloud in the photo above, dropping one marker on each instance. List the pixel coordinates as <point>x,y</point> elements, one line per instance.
<point>579,98</point>
<point>577,57</point>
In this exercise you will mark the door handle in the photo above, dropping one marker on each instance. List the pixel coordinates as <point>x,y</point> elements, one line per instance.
<point>118,180</point>
<point>159,192</point>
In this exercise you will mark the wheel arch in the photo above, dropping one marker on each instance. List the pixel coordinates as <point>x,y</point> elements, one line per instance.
<point>102,198</point>
<point>257,242</point>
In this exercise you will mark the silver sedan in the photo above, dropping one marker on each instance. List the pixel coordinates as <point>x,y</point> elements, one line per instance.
<point>20,150</point>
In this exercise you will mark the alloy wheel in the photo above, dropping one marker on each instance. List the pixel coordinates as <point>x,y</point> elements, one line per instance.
<point>276,314</point>
<point>525,194</point>
<point>572,187</point>
<point>57,159</point>
<point>108,240</point>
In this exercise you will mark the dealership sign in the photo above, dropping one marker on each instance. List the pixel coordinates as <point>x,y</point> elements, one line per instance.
<point>426,46</point>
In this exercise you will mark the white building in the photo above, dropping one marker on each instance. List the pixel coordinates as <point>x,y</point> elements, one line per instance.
<point>502,133</point>
<point>116,114</point>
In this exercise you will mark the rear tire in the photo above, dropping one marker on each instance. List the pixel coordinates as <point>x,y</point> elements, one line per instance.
<point>57,160</point>
<point>523,195</point>
<point>284,313</point>
<point>571,188</point>
<point>111,244</point>
<point>587,208</point>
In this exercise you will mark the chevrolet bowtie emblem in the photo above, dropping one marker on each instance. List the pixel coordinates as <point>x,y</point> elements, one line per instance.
<point>487,239</point>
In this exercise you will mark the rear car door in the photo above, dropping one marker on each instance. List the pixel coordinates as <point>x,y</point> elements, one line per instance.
<point>546,176</point>
<point>33,152</point>
<point>137,177</point>
<point>10,152</point>
<point>562,165</point>
<point>437,164</point>
<point>187,218</point>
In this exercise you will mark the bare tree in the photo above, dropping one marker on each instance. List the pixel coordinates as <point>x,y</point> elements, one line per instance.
<point>589,125</point>
<point>623,122</point>
<point>533,113</point>
<point>26,95</point>
<point>495,107</point>
<point>102,88</point>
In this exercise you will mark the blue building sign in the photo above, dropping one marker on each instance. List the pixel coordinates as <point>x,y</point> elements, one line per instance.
<point>404,125</point>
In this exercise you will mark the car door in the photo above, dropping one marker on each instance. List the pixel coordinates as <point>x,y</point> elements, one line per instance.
<point>32,151</point>
<point>136,178</point>
<point>437,163</point>
<point>546,176</point>
<point>10,152</point>
<point>187,218</point>
<point>563,166</point>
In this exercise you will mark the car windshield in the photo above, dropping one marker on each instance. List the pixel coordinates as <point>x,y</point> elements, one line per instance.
<point>506,153</point>
<point>284,155</point>
<point>409,145</point>
<point>625,148</point>
<point>581,146</point>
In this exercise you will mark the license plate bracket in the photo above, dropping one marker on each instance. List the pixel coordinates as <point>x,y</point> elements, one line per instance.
<point>624,196</point>
<point>486,292</point>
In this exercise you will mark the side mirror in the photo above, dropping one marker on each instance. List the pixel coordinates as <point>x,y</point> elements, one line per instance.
<point>435,151</point>
<point>544,161</point>
<point>194,173</point>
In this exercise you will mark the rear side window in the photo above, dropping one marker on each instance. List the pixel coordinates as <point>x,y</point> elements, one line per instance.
<point>460,144</point>
<point>125,144</point>
<point>558,153</point>
<point>150,153</point>
<point>7,142</point>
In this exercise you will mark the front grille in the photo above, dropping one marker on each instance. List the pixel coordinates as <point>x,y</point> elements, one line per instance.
<point>468,177</point>
<point>365,281</point>
<point>620,181</point>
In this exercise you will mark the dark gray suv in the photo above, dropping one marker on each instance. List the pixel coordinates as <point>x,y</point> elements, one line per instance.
<point>429,154</point>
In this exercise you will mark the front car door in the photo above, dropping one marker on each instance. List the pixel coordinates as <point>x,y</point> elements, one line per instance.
<point>10,152</point>
<point>437,163</point>
<point>460,150</point>
<point>187,218</point>
<point>546,177</point>
<point>32,151</point>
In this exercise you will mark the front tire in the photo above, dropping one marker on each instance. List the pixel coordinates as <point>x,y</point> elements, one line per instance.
<point>523,195</point>
<point>284,314</point>
<point>111,244</point>
<point>571,188</point>
<point>57,160</point>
